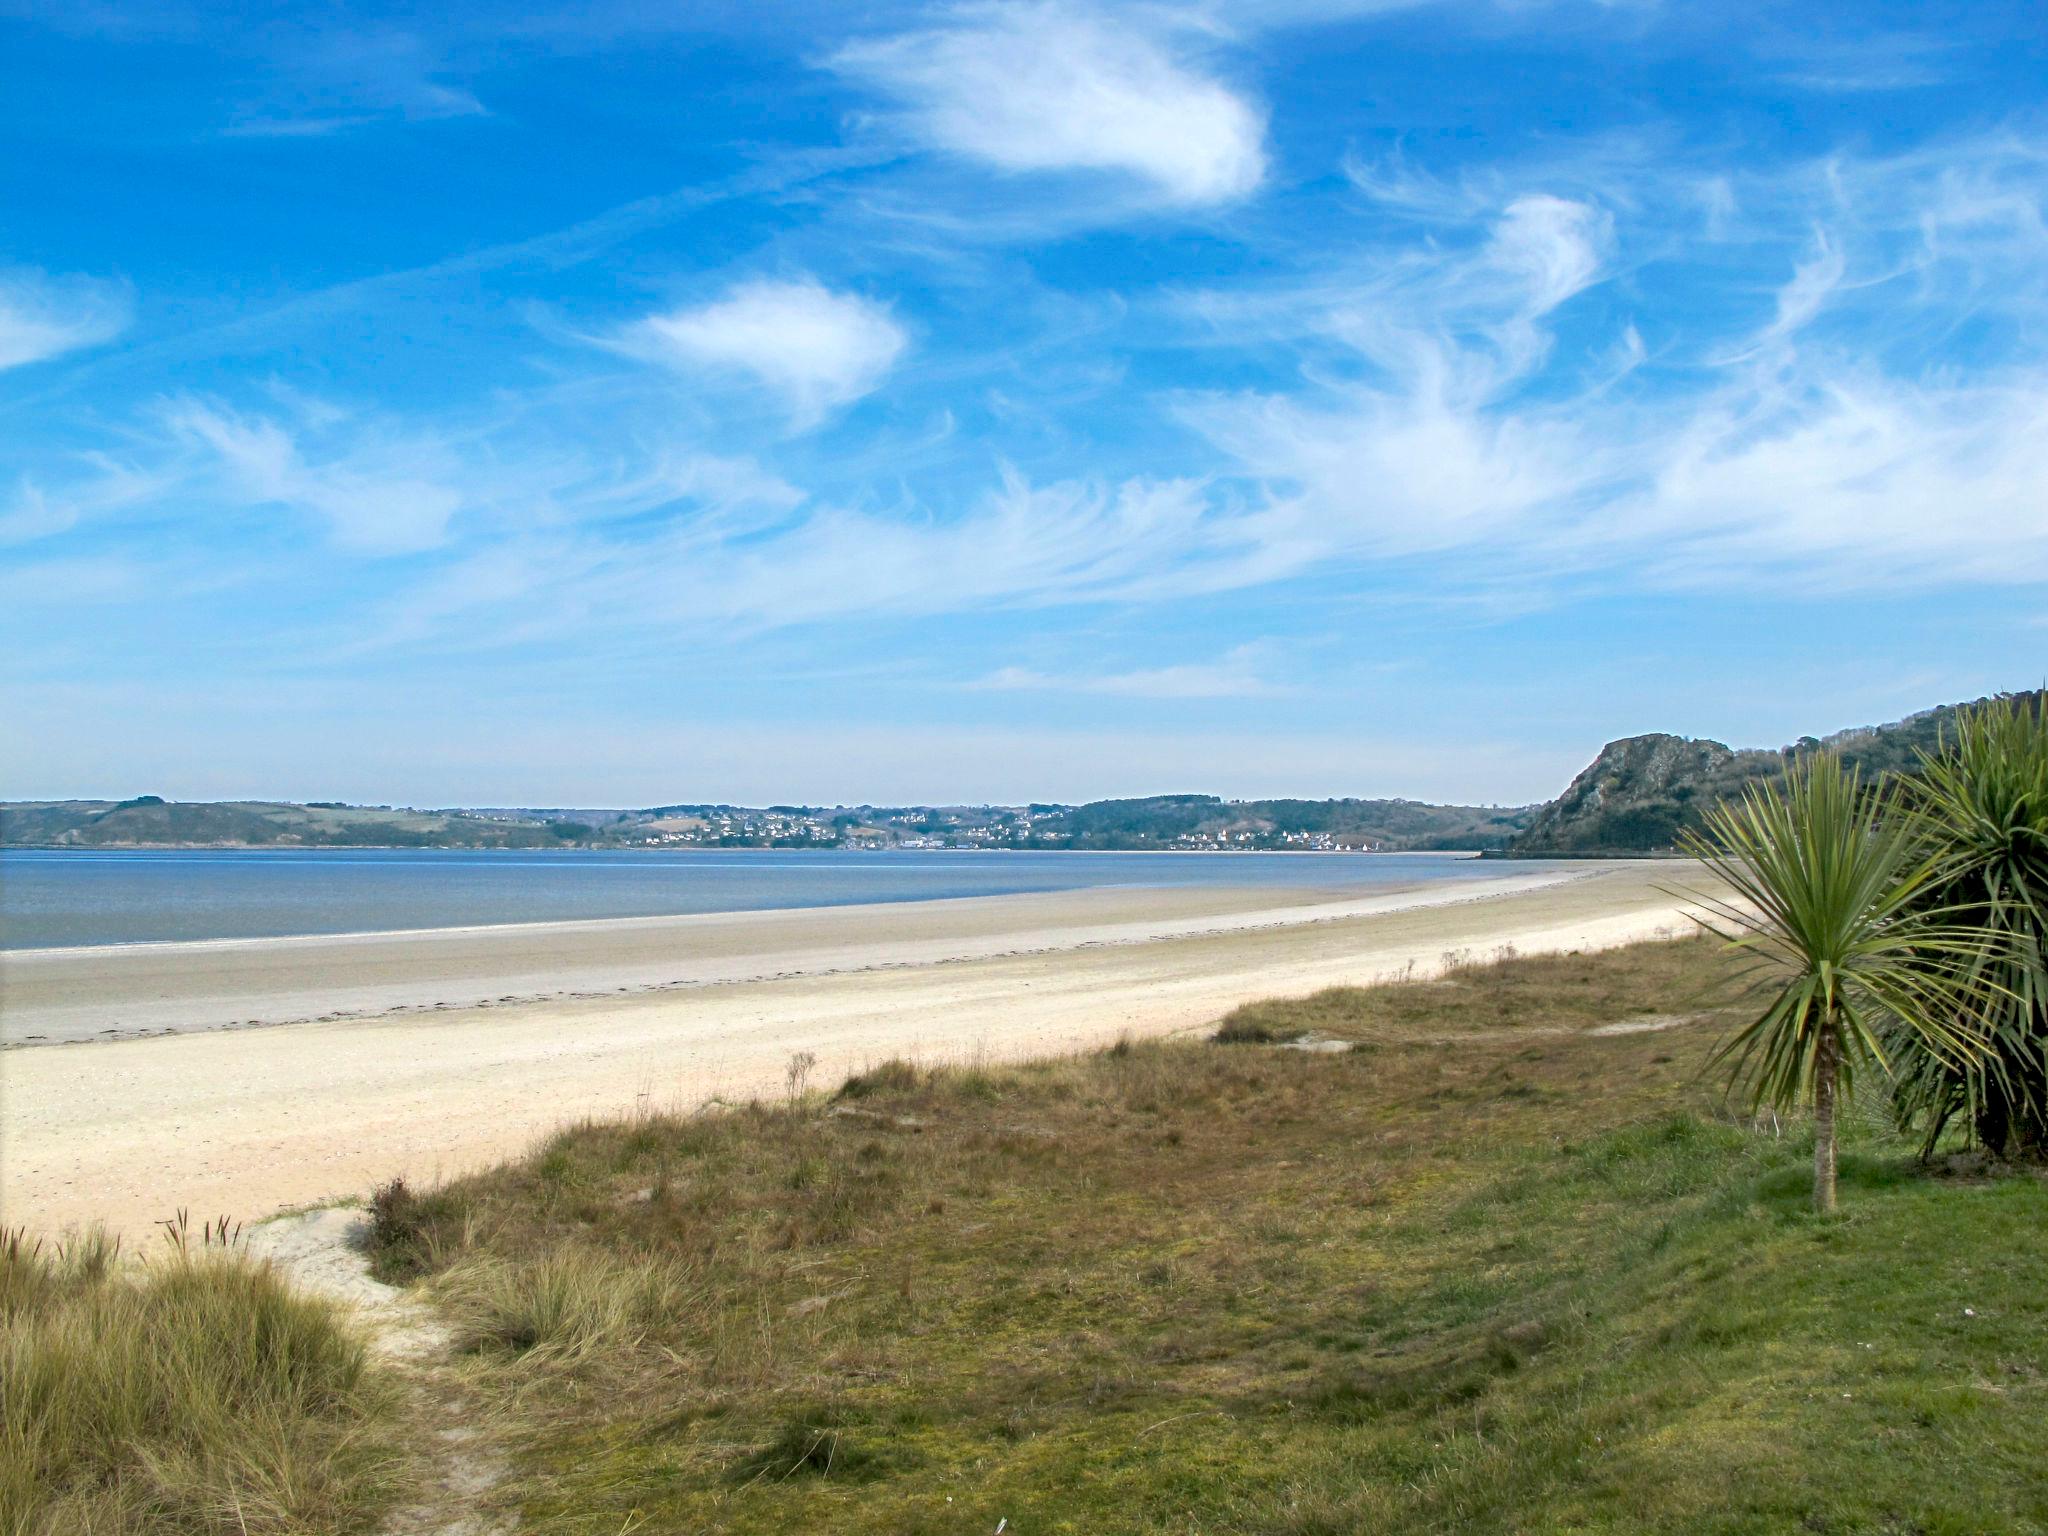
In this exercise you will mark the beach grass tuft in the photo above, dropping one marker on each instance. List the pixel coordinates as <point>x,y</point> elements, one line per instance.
<point>572,1303</point>
<point>193,1394</point>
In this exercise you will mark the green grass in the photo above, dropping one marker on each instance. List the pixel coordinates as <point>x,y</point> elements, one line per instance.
<point>194,1395</point>
<point>1486,1272</point>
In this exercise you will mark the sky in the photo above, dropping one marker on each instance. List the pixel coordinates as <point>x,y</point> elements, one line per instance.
<point>610,403</point>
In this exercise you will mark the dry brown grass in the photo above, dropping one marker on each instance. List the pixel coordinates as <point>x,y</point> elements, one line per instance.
<point>1172,1285</point>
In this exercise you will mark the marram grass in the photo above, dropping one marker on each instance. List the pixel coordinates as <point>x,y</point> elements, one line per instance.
<point>194,1394</point>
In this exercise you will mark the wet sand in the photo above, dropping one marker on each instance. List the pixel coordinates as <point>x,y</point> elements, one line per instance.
<point>468,1044</point>
<point>111,992</point>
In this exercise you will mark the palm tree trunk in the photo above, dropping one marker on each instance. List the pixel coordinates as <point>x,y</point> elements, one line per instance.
<point>1994,1120</point>
<point>1827,1056</point>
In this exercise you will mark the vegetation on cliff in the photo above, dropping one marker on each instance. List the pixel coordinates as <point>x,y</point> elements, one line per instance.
<point>1642,792</point>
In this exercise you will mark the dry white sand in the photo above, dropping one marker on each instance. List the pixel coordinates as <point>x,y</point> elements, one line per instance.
<point>664,1012</point>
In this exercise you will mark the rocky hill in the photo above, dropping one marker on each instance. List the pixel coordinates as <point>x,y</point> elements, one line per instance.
<point>1639,793</point>
<point>1642,791</point>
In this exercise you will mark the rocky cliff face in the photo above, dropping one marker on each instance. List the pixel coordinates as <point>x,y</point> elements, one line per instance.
<point>1639,793</point>
<point>1642,791</point>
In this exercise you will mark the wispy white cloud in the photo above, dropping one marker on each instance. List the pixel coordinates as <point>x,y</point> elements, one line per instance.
<point>43,316</point>
<point>1873,480</point>
<point>339,78</point>
<point>1023,545</point>
<point>101,486</point>
<point>1367,472</point>
<point>264,126</point>
<point>1040,87</point>
<point>1801,298</point>
<point>1431,449</point>
<point>1866,61</point>
<point>1552,245</point>
<point>1777,429</point>
<point>32,515</point>
<point>817,347</point>
<point>383,497</point>
<point>756,568</point>
<point>1238,674</point>
<point>1471,410</point>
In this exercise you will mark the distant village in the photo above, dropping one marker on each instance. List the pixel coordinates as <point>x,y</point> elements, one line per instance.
<point>978,827</point>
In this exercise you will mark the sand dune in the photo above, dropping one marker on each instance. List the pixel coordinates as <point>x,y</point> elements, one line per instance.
<point>441,1075</point>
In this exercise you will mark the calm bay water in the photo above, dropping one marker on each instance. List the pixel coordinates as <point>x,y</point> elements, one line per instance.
<point>70,897</point>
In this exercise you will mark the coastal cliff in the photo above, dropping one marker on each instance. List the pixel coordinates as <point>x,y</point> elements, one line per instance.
<point>1641,792</point>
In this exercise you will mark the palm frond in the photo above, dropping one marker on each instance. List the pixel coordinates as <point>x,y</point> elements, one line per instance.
<point>1831,887</point>
<point>1981,800</point>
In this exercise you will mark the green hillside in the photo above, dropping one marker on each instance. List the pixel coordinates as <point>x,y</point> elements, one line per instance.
<point>148,821</point>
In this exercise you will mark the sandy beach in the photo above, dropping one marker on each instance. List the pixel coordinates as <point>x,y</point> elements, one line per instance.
<point>250,1075</point>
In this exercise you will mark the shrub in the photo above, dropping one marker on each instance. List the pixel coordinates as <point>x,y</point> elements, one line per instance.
<point>402,1237</point>
<point>1253,1024</point>
<point>893,1076</point>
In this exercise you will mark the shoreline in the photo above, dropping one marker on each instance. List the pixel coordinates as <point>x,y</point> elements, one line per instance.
<point>249,1122</point>
<point>38,951</point>
<point>1403,853</point>
<point>229,941</point>
<point>103,994</point>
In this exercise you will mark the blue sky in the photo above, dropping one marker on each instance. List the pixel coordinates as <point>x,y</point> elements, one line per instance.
<point>612,403</point>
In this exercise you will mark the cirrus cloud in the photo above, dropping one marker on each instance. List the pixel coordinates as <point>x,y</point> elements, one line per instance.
<point>382,501</point>
<point>1238,674</point>
<point>43,316</point>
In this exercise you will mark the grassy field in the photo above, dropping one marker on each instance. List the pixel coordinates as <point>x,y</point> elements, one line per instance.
<point>1480,1269</point>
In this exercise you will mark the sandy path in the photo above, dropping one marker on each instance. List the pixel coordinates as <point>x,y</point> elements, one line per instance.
<point>322,1252</point>
<point>248,1121</point>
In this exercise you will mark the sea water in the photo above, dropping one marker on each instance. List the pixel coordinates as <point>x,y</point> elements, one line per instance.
<point>69,897</point>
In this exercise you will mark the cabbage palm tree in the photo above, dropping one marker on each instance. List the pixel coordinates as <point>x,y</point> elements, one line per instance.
<point>1982,801</point>
<point>1828,882</point>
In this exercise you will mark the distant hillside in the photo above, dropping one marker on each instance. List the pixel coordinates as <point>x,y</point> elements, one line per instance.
<point>1184,822</point>
<point>1387,824</point>
<point>149,821</point>
<point>1642,791</point>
